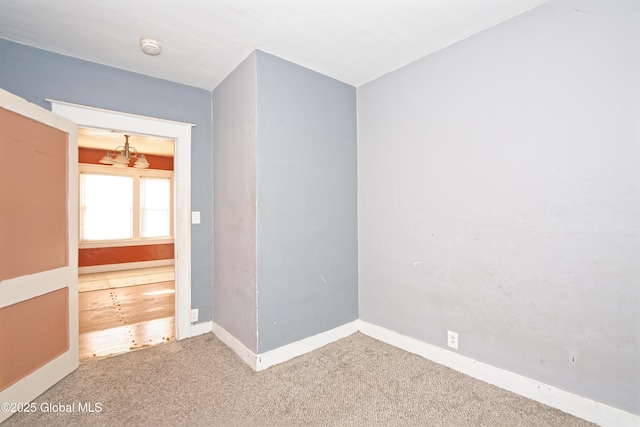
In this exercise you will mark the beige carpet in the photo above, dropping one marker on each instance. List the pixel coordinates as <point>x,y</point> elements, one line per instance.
<point>356,381</point>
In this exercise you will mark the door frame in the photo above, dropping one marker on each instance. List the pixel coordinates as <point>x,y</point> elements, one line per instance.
<point>181,133</point>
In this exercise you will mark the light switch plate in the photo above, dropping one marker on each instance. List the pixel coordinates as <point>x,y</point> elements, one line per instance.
<point>195,217</point>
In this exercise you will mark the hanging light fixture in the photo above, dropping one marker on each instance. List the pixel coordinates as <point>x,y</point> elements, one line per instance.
<point>121,157</point>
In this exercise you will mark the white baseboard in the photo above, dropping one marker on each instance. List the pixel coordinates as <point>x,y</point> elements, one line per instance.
<point>259,362</point>
<point>246,355</point>
<point>124,266</point>
<point>587,409</point>
<point>201,328</point>
<point>298,348</point>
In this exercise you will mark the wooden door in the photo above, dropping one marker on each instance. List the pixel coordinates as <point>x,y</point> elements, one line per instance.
<point>38,251</point>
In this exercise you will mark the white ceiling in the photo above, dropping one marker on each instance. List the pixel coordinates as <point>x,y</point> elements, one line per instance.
<point>354,41</point>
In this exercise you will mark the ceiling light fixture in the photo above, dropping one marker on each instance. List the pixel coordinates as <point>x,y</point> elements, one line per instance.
<point>121,157</point>
<point>150,46</point>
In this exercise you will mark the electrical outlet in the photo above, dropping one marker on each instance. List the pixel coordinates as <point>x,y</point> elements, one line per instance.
<point>194,315</point>
<point>452,339</point>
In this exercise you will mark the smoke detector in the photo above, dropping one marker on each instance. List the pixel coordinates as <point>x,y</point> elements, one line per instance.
<point>150,47</point>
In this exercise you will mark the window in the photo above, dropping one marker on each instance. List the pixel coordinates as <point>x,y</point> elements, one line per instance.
<point>106,207</point>
<point>125,204</point>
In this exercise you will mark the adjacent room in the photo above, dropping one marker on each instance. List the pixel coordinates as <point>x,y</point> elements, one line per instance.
<point>126,268</point>
<point>383,213</point>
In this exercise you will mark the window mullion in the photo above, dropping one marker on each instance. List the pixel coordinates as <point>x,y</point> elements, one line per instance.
<point>136,207</point>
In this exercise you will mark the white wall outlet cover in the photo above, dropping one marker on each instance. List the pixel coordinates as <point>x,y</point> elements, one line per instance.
<point>452,339</point>
<point>194,314</point>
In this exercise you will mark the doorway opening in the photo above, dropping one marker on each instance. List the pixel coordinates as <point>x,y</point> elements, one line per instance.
<point>180,133</point>
<point>126,268</point>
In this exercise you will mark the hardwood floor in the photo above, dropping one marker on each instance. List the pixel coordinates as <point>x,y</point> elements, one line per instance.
<point>120,319</point>
<point>124,278</point>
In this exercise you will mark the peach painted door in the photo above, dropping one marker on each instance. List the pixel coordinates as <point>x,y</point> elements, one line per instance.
<point>38,251</point>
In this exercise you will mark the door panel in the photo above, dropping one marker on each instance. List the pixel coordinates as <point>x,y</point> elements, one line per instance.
<point>33,170</point>
<point>35,340</point>
<point>38,250</point>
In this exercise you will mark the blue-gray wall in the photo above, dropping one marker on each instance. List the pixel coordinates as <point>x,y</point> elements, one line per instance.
<point>285,197</point>
<point>234,165</point>
<point>499,197</point>
<point>36,74</point>
<point>306,203</point>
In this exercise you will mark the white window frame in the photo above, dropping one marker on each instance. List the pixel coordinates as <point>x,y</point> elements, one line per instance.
<point>136,174</point>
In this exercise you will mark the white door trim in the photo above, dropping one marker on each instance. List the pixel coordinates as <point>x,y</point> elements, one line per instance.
<point>181,133</point>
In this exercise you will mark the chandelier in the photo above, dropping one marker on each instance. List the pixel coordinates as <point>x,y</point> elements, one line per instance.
<point>122,156</point>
